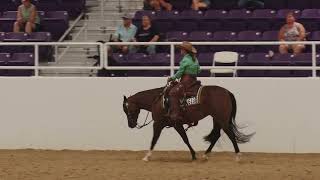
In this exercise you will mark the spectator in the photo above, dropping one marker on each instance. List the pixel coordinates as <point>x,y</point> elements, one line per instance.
<point>157,5</point>
<point>27,18</point>
<point>200,4</point>
<point>125,33</point>
<point>251,4</point>
<point>292,31</point>
<point>147,33</point>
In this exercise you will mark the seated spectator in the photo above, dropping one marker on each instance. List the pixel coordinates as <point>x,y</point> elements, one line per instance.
<point>157,5</point>
<point>147,33</point>
<point>292,31</point>
<point>251,4</point>
<point>27,18</point>
<point>200,4</point>
<point>125,33</point>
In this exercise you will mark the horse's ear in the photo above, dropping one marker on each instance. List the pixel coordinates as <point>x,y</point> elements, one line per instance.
<point>125,98</point>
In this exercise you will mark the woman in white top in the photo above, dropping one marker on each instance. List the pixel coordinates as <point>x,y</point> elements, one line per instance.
<point>292,31</point>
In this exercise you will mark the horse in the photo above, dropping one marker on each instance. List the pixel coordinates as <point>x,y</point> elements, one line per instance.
<point>215,101</point>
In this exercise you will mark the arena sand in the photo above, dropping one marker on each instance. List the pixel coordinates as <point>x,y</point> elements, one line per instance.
<point>127,165</point>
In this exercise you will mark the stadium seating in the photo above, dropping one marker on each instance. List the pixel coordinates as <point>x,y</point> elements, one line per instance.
<point>73,7</point>
<point>56,22</point>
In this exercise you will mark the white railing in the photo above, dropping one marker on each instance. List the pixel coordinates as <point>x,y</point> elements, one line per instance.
<point>103,53</point>
<point>36,67</point>
<point>172,45</point>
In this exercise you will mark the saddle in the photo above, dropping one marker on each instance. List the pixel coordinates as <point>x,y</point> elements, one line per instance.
<point>191,96</point>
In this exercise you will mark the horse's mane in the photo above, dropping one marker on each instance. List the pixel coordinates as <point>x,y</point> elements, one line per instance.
<point>150,92</point>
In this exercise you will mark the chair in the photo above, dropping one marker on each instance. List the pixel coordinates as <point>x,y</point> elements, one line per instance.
<point>210,26</point>
<point>39,37</point>
<point>275,4</point>
<point>205,59</point>
<point>223,36</point>
<point>248,36</point>
<point>298,4</point>
<point>254,59</point>
<point>163,27</point>
<point>269,36</point>
<point>160,59</point>
<point>166,15</point>
<point>258,59</point>
<point>119,59</point>
<point>264,14</point>
<point>239,14</point>
<point>56,22</point>
<point>186,26</point>
<point>200,36</point>
<point>14,37</point>
<point>21,59</point>
<point>138,59</point>
<point>215,14</point>
<point>139,14</point>
<point>281,59</point>
<point>177,36</point>
<point>261,20</point>
<point>191,15</point>
<point>282,13</point>
<point>225,58</point>
<point>310,14</point>
<point>234,25</point>
<point>315,36</point>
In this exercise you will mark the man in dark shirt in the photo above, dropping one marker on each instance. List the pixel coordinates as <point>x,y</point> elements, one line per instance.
<point>147,33</point>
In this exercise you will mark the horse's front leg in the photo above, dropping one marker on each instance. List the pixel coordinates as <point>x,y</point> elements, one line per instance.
<point>157,129</point>
<point>179,128</point>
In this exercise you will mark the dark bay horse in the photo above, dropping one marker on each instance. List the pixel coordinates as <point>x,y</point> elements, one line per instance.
<point>215,101</point>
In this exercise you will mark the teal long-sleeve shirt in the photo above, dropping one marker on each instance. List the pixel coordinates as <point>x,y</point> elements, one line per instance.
<point>187,66</point>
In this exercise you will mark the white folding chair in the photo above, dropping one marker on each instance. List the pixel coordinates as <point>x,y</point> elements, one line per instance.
<point>225,57</point>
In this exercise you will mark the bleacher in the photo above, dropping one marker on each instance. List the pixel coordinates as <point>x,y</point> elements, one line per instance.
<point>54,21</point>
<point>223,21</point>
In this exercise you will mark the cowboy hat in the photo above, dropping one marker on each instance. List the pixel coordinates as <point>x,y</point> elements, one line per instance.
<point>188,47</point>
<point>127,16</point>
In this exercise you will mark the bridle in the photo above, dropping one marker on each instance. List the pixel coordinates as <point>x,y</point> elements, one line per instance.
<point>145,122</point>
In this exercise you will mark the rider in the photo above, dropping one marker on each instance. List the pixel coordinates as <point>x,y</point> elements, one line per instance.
<point>187,73</point>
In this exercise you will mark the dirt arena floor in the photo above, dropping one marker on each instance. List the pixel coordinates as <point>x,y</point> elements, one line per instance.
<point>126,165</point>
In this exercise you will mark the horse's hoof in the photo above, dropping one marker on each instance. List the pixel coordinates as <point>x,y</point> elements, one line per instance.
<point>205,157</point>
<point>238,157</point>
<point>145,159</point>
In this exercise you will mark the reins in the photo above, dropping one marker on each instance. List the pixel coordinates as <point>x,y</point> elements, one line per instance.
<point>145,122</point>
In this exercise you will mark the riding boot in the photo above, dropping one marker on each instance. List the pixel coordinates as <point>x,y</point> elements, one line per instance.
<point>175,111</point>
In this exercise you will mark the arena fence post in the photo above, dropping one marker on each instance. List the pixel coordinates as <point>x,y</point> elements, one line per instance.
<point>172,59</point>
<point>314,60</point>
<point>36,60</point>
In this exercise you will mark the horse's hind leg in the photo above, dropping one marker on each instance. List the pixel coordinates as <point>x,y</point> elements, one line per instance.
<point>157,129</point>
<point>212,138</point>
<point>232,137</point>
<point>179,128</point>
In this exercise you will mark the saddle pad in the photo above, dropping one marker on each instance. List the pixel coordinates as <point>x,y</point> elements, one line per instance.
<point>190,100</point>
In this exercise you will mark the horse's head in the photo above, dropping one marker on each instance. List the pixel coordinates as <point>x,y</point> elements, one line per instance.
<point>132,111</point>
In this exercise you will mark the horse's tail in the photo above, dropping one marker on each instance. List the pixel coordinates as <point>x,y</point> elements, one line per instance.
<point>240,137</point>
